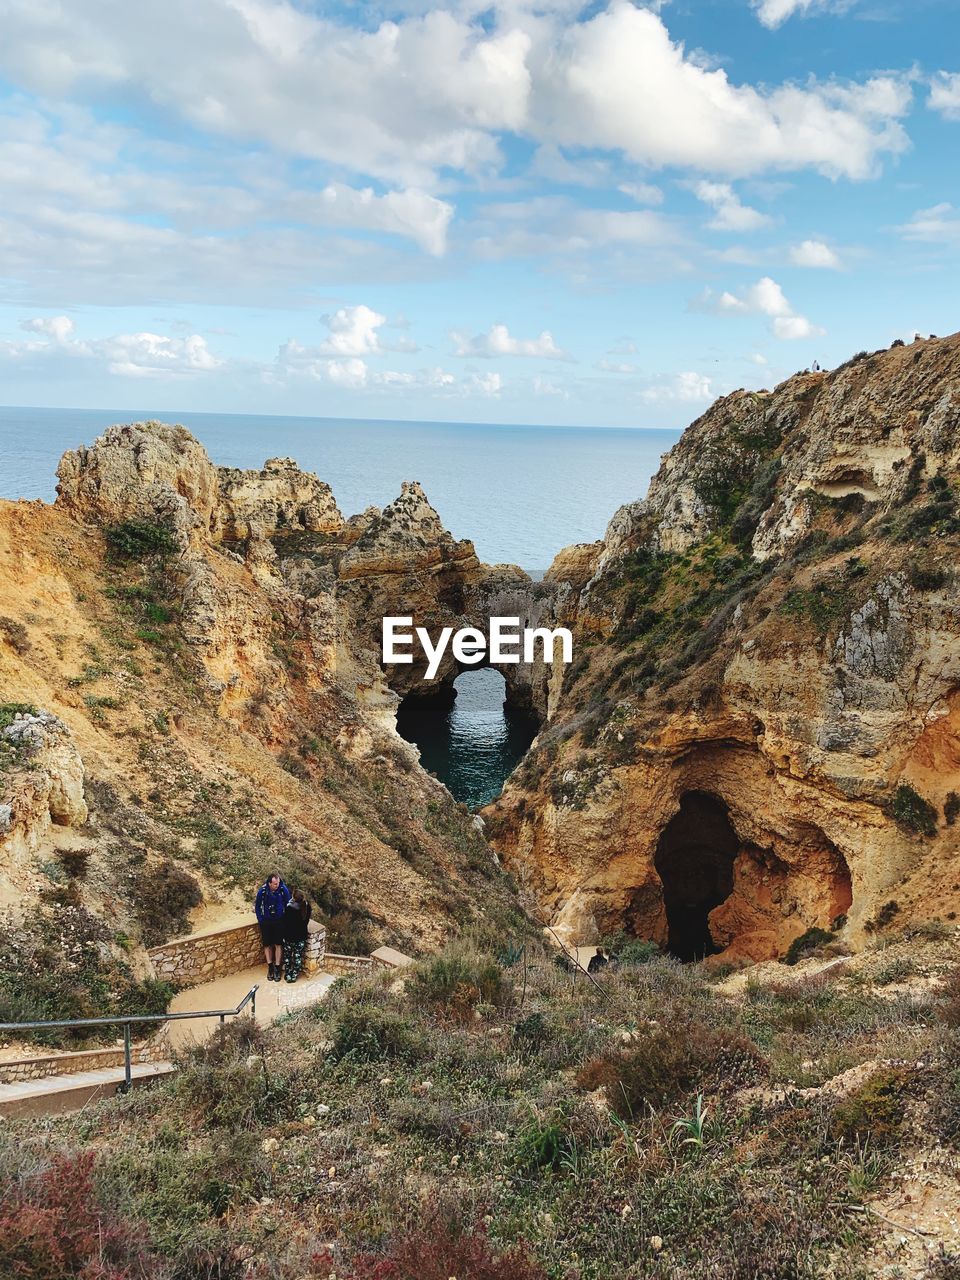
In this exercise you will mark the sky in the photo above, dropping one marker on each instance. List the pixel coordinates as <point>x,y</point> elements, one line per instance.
<point>527,212</point>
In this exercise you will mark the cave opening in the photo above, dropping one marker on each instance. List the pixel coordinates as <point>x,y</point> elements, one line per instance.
<point>468,734</point>
<point>694,860</point>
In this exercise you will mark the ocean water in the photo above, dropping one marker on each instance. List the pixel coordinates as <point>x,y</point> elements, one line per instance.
<point>473,746</point>
<point>520,493</point>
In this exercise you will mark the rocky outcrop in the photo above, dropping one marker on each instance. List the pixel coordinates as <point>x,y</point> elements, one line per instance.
<point>771,636</point>
<point>278,499</point>
<point>41,784</point>
<point>145,471</point>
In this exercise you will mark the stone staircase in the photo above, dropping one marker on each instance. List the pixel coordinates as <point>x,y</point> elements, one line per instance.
<point>57,1094</point>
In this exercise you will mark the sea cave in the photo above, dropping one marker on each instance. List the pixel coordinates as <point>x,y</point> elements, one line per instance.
<point>694,860</point>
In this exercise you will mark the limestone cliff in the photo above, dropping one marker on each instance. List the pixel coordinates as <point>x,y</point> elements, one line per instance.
<point>185,651</point>
<point>761,731</point>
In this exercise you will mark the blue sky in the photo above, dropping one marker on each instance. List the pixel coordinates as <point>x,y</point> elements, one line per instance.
<point>526,212</point>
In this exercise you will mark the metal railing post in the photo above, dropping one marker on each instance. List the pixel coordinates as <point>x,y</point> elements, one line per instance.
<point>127,1069</point>
<point>142,1020</point>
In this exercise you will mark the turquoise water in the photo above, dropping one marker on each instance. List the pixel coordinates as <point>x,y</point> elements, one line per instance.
<point>474,745</point>
<point>520,493</point>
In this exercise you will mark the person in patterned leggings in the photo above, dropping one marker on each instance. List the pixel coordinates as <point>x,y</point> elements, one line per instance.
<point>296,918</point>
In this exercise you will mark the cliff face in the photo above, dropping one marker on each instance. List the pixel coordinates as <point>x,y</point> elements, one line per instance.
<point>186,651</point>
<point>761,733</point>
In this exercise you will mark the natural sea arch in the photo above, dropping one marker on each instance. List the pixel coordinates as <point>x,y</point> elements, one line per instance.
<point>472,740</point>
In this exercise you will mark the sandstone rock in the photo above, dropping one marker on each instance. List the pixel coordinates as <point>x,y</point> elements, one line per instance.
<point>146,470</point>
<point>278,499</point>
<point>41,787</point>
<point>798,705</point>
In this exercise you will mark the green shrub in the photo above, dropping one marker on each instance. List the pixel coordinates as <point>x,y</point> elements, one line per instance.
<point>671,1061</point>
<point>885,916</point>
<point>545,1143</point>
<point>950,999</point>
<point>163,896</point>
<point>946,1099</point>
<point>457,982</point>
<point>62,967</point>
<point>951,808</point>
<point>873,1112</point>
<point>912,812</point>
<point>368,1033</point>
<point>140,540</point>
<point>10,710</point>
<point>223,1080</point>
<point>804,946</point>
<point>629,950</point>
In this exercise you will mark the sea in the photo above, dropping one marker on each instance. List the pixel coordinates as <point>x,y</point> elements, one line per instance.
<point>519,492</point>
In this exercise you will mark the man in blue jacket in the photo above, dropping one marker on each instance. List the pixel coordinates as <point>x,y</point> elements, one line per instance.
<point>272,898</point>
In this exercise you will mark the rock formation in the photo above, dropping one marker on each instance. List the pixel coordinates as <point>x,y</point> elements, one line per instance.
<point>764,734</point>
<point>759,735</point>
<point>198,640</point>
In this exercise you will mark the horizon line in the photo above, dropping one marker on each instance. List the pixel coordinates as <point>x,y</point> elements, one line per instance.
<point>303,417</point>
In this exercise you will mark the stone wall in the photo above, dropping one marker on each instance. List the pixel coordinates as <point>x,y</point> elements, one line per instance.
<point>68,1064</point>
<point>333,963</point>
<point>205,956</point>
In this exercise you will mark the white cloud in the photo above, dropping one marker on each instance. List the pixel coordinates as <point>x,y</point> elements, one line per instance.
<point>642,192</point>
<point>615,366</point>
<point>412,97</point>
<point>499,342</point>
<point>550,163</point>
<point>411,213</point>
<point>945,94</point>
<point>60,328</point>
<point>791,327</point>
<point>687,388</point>
<point>347,373</point>
<point>554,225</point>
<point>730,214</point>
<point>546,387</point>
<point>353,332</point>
<point>814,253</point>
<point>151,355</point>
<point>618,81</point>
<point>772,13</point>
<point>128,355</point>
<point>766,298</point>
<point>938,224</point>
<point>484,384</point>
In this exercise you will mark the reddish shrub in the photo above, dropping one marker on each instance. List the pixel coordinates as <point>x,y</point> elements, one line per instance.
<point>439,1248</point>
<point>53,1228</point>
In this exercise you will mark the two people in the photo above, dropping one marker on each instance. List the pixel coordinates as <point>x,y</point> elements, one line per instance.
<point>283,917</point>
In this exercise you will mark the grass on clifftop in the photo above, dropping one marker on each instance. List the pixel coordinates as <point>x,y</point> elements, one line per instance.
<point>487,1116</point>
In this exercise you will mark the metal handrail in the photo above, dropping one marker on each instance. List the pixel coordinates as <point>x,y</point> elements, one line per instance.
<point>250,998</point>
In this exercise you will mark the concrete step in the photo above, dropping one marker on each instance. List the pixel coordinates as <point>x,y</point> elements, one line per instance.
<point>55,1095</point>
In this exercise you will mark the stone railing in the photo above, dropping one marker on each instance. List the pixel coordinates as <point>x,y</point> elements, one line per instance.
<point>201,957</point>
<point>68,1064</point>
